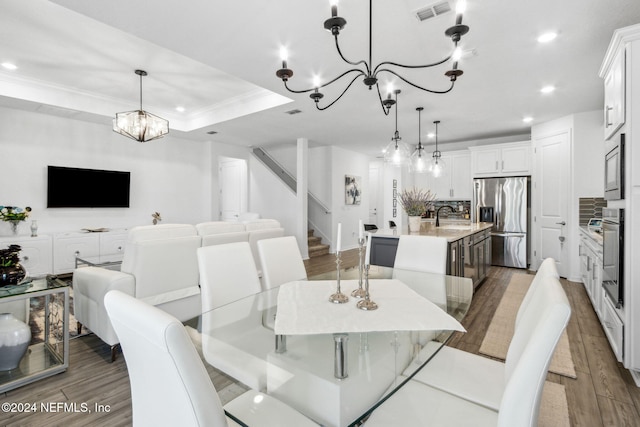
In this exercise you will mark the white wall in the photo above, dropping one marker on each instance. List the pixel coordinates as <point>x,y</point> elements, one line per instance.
<point>270,197</point>
<point>170,175</point>
<point>346,162</point>
<point>588,156</point>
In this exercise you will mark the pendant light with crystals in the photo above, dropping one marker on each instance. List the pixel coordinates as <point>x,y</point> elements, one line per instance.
<point>419,161</point>
<point>437,165</point>
<point>139,124</point>
<point>397,152</point>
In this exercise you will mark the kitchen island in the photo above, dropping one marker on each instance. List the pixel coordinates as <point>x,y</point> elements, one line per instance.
<point>469,252</point>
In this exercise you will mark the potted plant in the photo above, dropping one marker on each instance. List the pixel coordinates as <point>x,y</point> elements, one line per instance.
<point>11,272</point>
<point>415,203</point>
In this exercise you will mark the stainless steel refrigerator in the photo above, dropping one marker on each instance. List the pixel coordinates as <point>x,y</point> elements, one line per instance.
<point>506,203</point>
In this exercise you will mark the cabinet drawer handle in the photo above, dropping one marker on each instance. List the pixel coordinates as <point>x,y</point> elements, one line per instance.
<point>119,248</point>
<point>77,253</point>
<point>606,116</point>
<point>25,258</point>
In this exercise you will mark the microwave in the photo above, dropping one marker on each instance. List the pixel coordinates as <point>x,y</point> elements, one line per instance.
<point>614,170</point>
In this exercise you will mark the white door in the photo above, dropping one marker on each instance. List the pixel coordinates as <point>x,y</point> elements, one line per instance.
<point>551,184</point>
<point>233,188</point>
<point>374,182</point>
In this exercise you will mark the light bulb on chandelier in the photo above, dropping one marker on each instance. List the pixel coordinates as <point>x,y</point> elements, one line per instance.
<point>437,166</point>
<point>419,161</point>
<point>397,152</point>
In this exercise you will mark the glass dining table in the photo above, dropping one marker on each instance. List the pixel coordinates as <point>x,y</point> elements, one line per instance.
<point>335,363</point>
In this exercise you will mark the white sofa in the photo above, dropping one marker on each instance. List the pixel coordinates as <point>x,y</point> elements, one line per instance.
<point>159,267</point>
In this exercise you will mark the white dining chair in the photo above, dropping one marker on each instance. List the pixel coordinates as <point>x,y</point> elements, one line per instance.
<point>169,383</point>
<point>227,273</point>
<point>422,253</point>
<point>281,261</point>
<point>463,384</point>
<point>547,268</point>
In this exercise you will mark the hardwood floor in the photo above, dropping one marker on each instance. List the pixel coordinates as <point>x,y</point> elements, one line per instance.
<point>603,394</point>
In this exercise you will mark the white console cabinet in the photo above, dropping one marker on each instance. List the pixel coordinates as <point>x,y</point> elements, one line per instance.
<point>512,159</point>
<point>98,247</point>
<point>36,254</point>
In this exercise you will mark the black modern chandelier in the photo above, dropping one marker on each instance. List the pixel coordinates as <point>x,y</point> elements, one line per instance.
<point>371,73</point>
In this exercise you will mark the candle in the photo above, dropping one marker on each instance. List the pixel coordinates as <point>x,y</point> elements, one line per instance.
<point>360,229</point>
<point>367,254</point>
<point>338,239</point>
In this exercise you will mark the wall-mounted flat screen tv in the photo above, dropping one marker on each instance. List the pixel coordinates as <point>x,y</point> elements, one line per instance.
<point>87,188</point>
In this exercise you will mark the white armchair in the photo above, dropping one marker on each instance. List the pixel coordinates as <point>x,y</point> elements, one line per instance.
<point>159,267</point>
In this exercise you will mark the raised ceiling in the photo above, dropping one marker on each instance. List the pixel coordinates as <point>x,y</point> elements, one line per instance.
<point>218,60</point>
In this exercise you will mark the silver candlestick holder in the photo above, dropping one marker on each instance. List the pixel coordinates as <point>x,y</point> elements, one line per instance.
<point>338,297</point>
<point>366,303</point>
<point>360,292</point>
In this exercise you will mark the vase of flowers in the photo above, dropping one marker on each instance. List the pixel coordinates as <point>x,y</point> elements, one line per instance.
<point>415,203</point>
<point>11,272</point>
<point>14,215</point>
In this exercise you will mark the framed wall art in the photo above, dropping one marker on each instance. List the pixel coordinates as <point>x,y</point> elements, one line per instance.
<point>352,189</point>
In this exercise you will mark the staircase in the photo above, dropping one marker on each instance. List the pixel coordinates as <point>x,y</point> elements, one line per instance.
<point>316,248</point>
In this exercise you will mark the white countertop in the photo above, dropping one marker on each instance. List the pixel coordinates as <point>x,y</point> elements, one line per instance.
<point>452,231</point>
<point>596,237</point>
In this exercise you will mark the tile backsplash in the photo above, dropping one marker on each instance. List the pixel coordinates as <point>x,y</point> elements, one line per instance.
<point>461,207</point>
<point>590,207</point>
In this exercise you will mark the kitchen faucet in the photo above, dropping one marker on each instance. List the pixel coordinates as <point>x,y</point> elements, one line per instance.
<point>438,213</point>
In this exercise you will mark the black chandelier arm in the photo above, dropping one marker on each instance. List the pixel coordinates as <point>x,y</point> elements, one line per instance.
<point>351,62</point>
<point>377,69</point>
<point>415,85</point>
<point>340,96</point>
<point>384,110</point>
<point>353,70</point>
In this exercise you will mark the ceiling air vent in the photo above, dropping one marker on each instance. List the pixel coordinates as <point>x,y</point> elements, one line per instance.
<point>292,112</point>
<point>433,10</point>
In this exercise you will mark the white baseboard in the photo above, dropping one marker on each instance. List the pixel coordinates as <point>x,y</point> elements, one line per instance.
<point>636,376</point>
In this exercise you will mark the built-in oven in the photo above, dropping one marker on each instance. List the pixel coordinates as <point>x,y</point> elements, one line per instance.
<point>613,254</point>
<point>614,169</point>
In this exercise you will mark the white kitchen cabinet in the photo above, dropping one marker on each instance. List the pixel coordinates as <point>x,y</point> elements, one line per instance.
<point>613,327</point>
<point>512,159</point>
<point>614,95</point>
<point>36,253</point>
<point>591,270</point>
<point>455,183</point>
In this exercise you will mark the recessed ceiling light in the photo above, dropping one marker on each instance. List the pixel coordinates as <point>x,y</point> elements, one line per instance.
<point>431,135</point>
<point>527,119</point>
<point>547,37</point>
<point>547,89</point>
<point>180,109</point>
<point>9,66</point>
